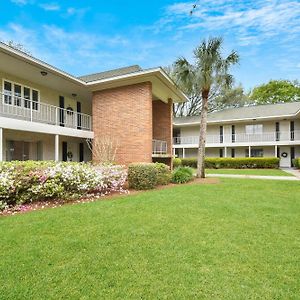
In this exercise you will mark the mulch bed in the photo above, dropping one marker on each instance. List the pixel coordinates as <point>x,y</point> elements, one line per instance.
<point>47,204</point>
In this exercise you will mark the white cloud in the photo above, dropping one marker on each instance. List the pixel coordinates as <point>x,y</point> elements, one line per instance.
<point>19,2</point>
<point>50,6</point>
<point>263,19</point>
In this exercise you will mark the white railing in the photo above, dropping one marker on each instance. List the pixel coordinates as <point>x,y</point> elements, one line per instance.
<point>241,138</point>
<point>24,109</point>
<point>159,147</point>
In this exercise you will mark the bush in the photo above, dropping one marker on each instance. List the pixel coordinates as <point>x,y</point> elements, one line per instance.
<point>182,175</point>
<point>189,162</point>
<point>243,163</point>
<point>235,163</point>
<point>142,176</point>
<point>23,182</point>
<point>163,174</point>
<point>176,162</point>
<point>296,162</point>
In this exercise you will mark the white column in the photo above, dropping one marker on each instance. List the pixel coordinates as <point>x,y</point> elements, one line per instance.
<point>249,151</point>
<point>1,144</point>
<point>275,154</point>
<point>56,151</point>
<point>225,151</point>
<point>183,152</point>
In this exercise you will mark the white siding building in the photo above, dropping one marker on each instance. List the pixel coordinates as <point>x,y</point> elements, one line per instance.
<point>256,131</point>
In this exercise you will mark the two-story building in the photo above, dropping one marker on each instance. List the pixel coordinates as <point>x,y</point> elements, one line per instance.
<point>256,131</point>
<point>48,114</point>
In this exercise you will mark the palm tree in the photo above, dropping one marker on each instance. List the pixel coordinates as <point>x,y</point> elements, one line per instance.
<point>209,69</point>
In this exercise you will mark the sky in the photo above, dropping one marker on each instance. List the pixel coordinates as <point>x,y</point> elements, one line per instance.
<point>83,37</point>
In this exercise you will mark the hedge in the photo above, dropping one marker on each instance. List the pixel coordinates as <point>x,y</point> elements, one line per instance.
<point>23,182</point>
<point>296,162</point>
<point>235,163</point>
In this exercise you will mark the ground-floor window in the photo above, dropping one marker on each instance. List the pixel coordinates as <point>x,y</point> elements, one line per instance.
<point>255,152</point>
<point>221,152</point>
<point>22,150</point>
<point>232,152</point>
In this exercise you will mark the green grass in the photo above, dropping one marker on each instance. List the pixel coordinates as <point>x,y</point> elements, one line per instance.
<point>264,172</point>
<point>239,239</point>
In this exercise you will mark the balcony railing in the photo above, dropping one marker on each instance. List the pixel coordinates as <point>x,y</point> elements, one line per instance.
<point>159,147</point>
<point>24,109</point>
<point>241,138</point>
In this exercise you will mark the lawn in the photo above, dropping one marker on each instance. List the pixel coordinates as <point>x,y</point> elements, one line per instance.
<point>264,172</point>
<point>239,239</point>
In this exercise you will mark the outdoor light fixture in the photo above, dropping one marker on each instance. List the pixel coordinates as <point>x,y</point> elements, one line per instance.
<point>44,73</point>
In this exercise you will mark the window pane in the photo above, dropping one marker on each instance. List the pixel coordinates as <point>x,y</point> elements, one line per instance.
<point>26,97</point>
<point>17,92</point>
<point>254,129</point>
<point>7,92</point>
<point>35,99</point>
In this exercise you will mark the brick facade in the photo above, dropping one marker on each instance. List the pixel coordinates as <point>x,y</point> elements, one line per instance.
<point>125,115</point>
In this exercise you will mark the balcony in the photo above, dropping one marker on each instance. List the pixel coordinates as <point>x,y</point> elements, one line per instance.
<point>24,109</point>
<point>242,138</point>
<point>159,148</point>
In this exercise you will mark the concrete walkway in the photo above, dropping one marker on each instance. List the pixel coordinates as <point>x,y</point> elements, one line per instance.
<point>294,172</point>
<point>290,178</point>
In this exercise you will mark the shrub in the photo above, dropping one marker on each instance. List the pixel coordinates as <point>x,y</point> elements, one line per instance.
<point>243,163</point>
<point>296,162</point>
<point>235,163</point>
<point>142,176</point>
<point>163,174</point>
<point>176,162</point>
<point>22,182</point>
<point>182,175</point>
<point>189,162</point>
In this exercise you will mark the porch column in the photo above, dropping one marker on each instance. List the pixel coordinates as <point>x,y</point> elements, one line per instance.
<point>275,154</point>
<point>249,151</point>
<point>1,144</point>
<point>225,151</point>
<point>56,151</point>
<point>183,152</point>
<point>174,152</point>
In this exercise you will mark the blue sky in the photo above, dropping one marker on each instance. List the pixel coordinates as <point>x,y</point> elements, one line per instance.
<point>84,37</point>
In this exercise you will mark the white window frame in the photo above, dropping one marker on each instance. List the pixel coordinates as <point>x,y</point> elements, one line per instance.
<point>13,83</point>
<point>254,128</point>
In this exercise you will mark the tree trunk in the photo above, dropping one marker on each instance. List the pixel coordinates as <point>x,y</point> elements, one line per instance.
<point>202,137</point>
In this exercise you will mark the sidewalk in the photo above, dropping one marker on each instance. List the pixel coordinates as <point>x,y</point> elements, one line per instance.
<point>290,178</point>
<point>295,172</point>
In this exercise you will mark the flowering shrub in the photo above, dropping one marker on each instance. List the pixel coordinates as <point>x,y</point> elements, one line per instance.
<point>23,182</point>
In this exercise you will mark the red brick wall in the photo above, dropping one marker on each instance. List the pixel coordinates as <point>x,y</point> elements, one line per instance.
<point>162,122</point>
<point>125,114</point>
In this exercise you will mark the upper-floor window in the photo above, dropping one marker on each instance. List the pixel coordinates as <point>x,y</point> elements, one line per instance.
<point>254,129</point>
<point>20,95</point>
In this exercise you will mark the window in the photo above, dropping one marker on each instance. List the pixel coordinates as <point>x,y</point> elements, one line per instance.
<point>277,128</point>
<point>256,152</point>
<point>221,152</point>
<point>233,133</point>
<point>254,129</point>
<point>7,92</point>
<point>292,130</point>
<point>18,95</point>
<point>232,152</point>
<point>221,134</point>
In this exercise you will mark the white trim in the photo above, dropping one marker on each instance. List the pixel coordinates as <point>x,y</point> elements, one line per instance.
<point>30,59</point>
<point>1,144</point>
<point>22,125</point>
<point>56,148</point>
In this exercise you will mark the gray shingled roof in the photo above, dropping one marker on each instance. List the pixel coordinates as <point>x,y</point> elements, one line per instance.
<point>247,112</point>
<point>111,73</point>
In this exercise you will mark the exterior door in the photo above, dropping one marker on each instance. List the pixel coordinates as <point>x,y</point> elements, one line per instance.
<point>61,111</point>
<point>285,156</point>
